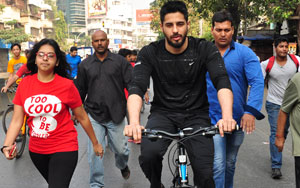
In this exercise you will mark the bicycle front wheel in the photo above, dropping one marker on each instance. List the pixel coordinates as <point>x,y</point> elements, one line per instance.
<point>6,118</point>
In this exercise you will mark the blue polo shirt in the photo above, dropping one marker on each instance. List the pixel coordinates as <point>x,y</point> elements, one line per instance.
<point>74,62</point>
<point>243,68</point>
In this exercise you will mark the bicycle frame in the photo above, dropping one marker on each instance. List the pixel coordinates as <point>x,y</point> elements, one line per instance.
<point>180,179</point>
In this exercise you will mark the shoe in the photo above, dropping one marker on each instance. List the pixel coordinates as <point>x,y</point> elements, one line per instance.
<point>276,173</point>
<point>125,173</point>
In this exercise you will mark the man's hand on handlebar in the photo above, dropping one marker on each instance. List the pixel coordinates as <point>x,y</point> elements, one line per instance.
<point>226,125</point>
<point>134,131</point>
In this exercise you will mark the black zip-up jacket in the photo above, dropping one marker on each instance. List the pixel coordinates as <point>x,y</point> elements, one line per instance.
<point>179,81</point>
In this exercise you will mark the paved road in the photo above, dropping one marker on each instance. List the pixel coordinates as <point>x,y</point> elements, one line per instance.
<point>253,166</point>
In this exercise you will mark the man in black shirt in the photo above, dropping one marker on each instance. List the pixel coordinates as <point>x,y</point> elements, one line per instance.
<point>101,80</point>
<point>177,65</point>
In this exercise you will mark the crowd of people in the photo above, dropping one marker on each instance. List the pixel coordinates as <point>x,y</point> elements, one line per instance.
<point>196,83</point>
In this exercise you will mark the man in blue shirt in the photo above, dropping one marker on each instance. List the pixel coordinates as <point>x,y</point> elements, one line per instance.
<point>73,59</point>
<point>244,70</point>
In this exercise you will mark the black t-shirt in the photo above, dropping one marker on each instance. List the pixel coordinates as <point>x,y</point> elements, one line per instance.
<point>179,80</point>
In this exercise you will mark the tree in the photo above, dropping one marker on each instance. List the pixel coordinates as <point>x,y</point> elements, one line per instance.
<point>281,10</point>
<point>1,8</point>
<point>142,41</point>
<point>241,10</point>
<point>60,28</point>
<point>14,35</point>
<point>59,25</point>
<point>244,11</point>
<point>277,10</point>
<point>193,17</point>
<point>85,41</point>
<point>206,26</point>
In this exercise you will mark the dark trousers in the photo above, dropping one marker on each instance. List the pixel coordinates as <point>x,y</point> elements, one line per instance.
<point>297,171</point>
<point>200,149</point>
<point>56,168</point>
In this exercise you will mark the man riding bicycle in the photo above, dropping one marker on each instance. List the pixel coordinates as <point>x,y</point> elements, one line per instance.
<point>177,65</point>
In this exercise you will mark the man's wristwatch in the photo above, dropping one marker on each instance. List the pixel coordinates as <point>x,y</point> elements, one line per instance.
<point>3,148</point>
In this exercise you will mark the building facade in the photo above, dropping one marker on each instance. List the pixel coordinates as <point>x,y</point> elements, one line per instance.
<point>34,16</point>
<point>115,18</point>
<point>74,11</point>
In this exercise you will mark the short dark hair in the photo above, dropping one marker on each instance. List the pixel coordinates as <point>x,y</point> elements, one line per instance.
<point>222,16</point>
<point>279,40</point>
<point>73,48</point>
<point>15,44</point>
<point>27,53</point>
<point>124,52</point>
<point>134,52</point>
<point>63,69</point>
<point>172,7</point>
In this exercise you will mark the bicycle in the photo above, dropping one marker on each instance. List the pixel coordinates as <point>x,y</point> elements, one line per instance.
<point>180,174</point>
<point>21,139</point>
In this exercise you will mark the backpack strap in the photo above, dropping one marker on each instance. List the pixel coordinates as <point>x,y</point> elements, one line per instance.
<point>293,57</point>
<point>268,69</point>
<point>270,64</point>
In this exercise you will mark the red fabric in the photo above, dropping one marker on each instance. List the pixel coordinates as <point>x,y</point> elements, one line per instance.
<point>126,93</point>
<point>132,63</point>
<point>23,70</point>
<point>295,60</point>
<point>47,106</point>
<point>270,64</point>
<point>125,90</point>
<point>272,60</point>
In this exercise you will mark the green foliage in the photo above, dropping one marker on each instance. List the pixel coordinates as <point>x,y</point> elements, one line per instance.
<point>15,35</point>
<point>85,41</point>
<point>1,8</point>
<point>206,26</point>
<point>59,25</point>
<point>278,10</point>
<point>11,22</point>
<point>241,10</point>
<point>193,18</point>
<point>208,36</point>
<point>245,10</point>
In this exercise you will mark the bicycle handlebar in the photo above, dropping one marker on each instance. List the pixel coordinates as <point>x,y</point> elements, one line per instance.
<point>183,133</point>
<point>9,90</point>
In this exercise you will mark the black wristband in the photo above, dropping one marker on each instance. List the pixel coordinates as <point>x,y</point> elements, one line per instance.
<point>3,148</point>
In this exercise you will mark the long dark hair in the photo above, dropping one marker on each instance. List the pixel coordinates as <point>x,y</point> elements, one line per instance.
<point>63,69</point>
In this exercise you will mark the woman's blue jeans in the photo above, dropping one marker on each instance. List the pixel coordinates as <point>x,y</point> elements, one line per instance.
<point>226,150</point>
